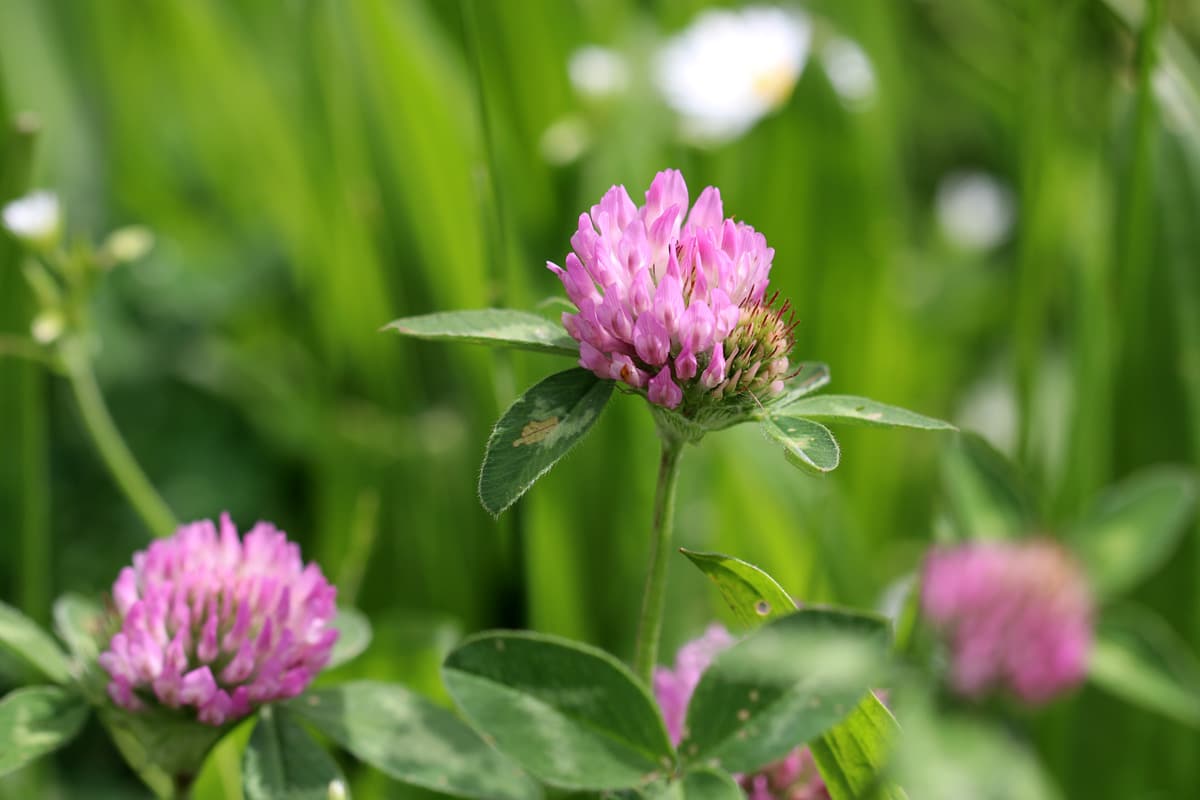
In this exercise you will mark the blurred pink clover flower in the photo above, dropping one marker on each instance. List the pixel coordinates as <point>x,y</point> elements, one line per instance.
<point>793,777</point>
<point>1016,615</point>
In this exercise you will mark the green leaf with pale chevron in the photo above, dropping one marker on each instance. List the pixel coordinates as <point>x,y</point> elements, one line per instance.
<point>536,431</point>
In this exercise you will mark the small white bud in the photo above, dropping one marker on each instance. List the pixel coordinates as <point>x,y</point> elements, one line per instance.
<point>564,141</point>
<point>35,218</point>
<point>598,72</point>
<point>850,72</point>
<point>337,790</point>
<point>127,244</point>
<point>47,327</point>
<point>974,210</point>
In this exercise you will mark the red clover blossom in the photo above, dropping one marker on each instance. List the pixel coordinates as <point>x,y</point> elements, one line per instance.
<point>674,302</point>
<point>218,624</point>
<point>1017,615</point>
<point>793,777</point>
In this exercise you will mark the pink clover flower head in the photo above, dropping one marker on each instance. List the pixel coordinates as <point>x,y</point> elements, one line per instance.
<point>793,777</point>
<point>673,301</point>
<point>673,688</point>
<point>1016,616</point>
<point>217,623</point>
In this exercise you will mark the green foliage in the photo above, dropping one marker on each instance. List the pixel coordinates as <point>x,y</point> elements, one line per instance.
<point>1132,528</point>
<point>412,740</point>
<point>30,643</point>
<point>808,445</point>
<point>853,754</point>
<point>282,762</point>
<point>161,745</point>
<point>752,595</point>
<point>570,714</point>
<point>37,720</point>
<point>494,326</point>
<point>781,686</point>
<point>702,784</point>
<point>80,622</point>
<point>354,634</point>
<point>949,756</point>
<point>537,430</point>
<point>851,410</point>
<point>1137,657</point>
<point>987,498</point>
<point>811,376</point>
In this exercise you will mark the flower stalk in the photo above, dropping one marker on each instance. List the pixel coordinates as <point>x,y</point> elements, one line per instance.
<point>655,592</point>
<point>61,281</point>
<point>125,470</point>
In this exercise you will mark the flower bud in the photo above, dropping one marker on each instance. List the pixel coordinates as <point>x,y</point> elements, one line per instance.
<point>35,219</point>
<point>125,245</point>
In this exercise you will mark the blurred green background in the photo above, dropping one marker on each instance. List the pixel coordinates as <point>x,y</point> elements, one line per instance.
<point>313,170</point>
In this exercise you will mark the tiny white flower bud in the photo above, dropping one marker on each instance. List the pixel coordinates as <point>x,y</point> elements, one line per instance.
<point>564,141</point>
<point>35,218</point>
<point>47,327</point>
<point>850,72</point>
<point>598,72</point>
<point>127,244</point>
<point>974,210</point>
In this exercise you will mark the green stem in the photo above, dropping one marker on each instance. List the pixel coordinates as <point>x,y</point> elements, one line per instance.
<point>363,530</point>
<point>112,448</point>
<point>645,655</point>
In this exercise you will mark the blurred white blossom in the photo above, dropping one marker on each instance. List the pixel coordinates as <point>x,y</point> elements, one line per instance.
<point>127,244</point>
<point>989,408</point>
<point>47,326</point>
<point>598,72</point>
<point>34,218</point>
<point>850,72</point>
<point>729,68</point>
<point>565,140</point>
<point>974,210</point>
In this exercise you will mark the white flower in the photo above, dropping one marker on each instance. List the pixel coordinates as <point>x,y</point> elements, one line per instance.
<point>730,68</point>
<point>850,72</point>
<point>598,72</point>
<point>34,218</point>
<point>974,210</point>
